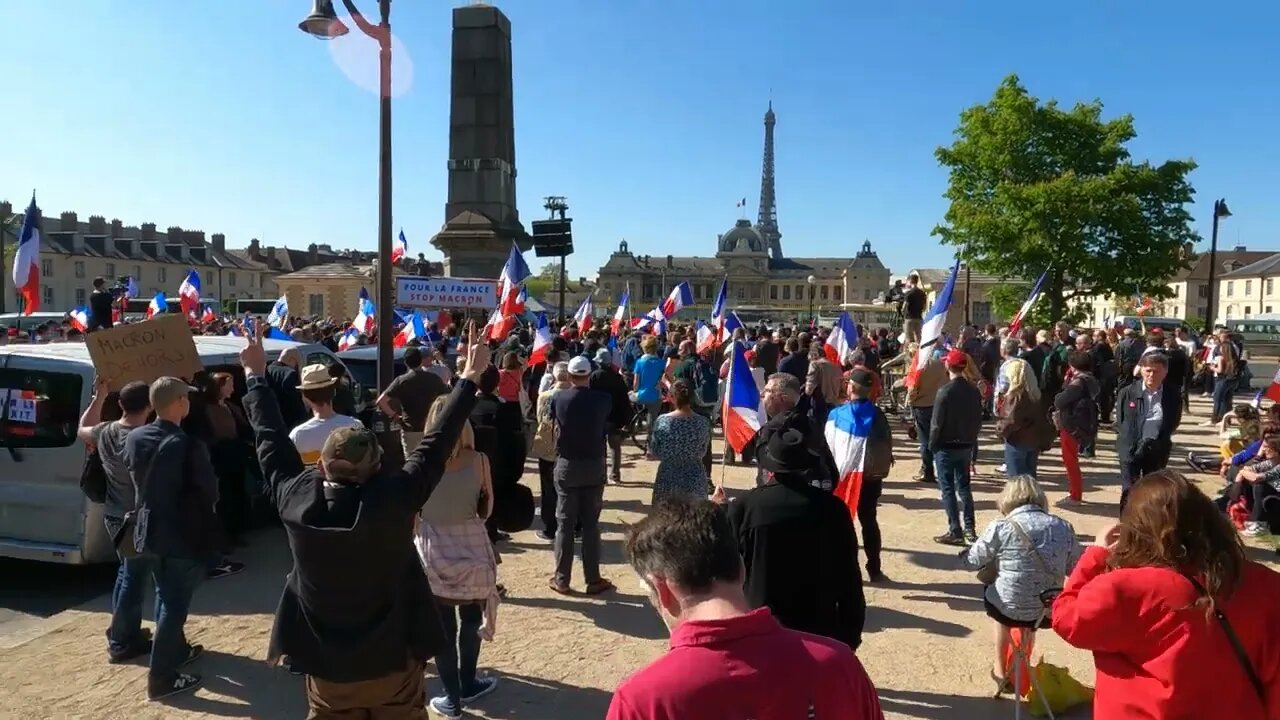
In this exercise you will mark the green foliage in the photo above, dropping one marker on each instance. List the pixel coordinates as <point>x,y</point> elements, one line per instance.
<point>1035,186</point>
<point>549,272</point>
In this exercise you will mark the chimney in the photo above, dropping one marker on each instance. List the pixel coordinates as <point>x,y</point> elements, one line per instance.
<point>174,246</point>
<point>173,234</point>
<point>271,251</point>
<point>6,208</point>
<point>97,225</point>
<point>670,262</point>
<point>70,223</point>
<point>219,242</point>
<point>313,254</point>
<point>193,238</point>
<point>117,228</point>
<point>255,250</point>
<point>148,232</point>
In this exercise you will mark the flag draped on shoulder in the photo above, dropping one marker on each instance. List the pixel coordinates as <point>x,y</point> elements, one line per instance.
<point>842,340</point>
<point>848,431</point>
<point>741,412</point>
<point>1021,315</point>
<point>26,261</point>
<point>931,328</point>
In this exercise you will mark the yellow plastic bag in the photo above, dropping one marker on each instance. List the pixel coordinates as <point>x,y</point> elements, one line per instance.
<point>1058,687</point>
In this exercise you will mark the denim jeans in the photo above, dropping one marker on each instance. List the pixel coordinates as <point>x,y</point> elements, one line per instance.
<point>613,438</point>
<point>953,481</point>
<point>654,407</point>
<point>924,418</point>
<point>176,580</point>
<point>1223,390</point>
<point>132,577</point>
<point>1020,460</point>
<point>457,660</point>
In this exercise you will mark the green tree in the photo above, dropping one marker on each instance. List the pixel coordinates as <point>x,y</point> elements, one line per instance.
<point>1035,186</point>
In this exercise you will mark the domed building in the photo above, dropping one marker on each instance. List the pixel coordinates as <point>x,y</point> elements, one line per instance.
<point>763,282</point>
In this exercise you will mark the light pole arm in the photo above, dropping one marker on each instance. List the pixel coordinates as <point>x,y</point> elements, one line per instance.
<point>377,32</point>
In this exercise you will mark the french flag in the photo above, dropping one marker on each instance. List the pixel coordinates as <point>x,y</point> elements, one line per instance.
<point>365,316</point>
<point>26,262</point>
<point>931,329</point>
<point>541,341</point>
<point>706,337</point>
<point>189,292</point>
<point>499,325</point>
<point>1021,315</point>
<point>158,305</point>
<point>279,314</point>
<point>207,316</point>
<point>399,249</point>
<point>741,413</point>
<point>79,319</point>
<point>842,340</point>
<point>348,339</point>
<point>651,322</point>
<point>848,430</point>
<point>621,312</point>
<point>513,273</point>
<point>731,323</point>
<point>1272,391</point>
<point>716,331</point>
<point>584,314</point>
<point>522,299</point>
<point>412,329</point>
<point>680,296</point>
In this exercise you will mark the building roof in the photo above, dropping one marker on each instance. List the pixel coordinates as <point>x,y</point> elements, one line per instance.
<point>742,237</point>
<point>938,276</point>
<point>329,271</point>
<point>1269,264</point>
<point>1230,262</point>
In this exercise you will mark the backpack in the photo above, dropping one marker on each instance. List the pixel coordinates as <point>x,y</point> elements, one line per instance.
<point>93,478</point>
<point>1082,418</point>
<point>706,383</point>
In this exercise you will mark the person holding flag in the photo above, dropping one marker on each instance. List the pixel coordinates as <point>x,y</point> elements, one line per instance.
<point>861,444</point>
<point>189,293</point>
<point>158,305</point>
<point>279,315</point>
<point>715,336</point>
<point>616,326</point>
<point>26,261</point>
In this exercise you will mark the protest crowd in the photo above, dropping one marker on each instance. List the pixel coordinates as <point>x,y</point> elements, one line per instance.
<point>396,555</point>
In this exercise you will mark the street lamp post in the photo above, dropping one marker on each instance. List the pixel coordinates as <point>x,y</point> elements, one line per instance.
<point>323,23</point>
<point>1219,211</point>
<point>811,280</point>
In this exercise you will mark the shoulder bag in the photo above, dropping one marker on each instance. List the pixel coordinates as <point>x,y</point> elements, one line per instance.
<point>1236,645</point>
<point>128,528</point>
<point>987,573</point>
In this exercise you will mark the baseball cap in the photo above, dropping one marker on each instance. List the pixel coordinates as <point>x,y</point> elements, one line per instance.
<point>861,377</point>
<point>956,359</point>
<point>167,390</point>
<point>351,453</point>
<point>579,366</point>
<point>604,356</point>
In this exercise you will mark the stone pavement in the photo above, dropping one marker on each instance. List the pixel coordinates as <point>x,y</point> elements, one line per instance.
<point>927,644</point>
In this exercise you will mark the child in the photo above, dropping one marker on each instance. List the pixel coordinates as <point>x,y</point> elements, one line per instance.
<point>509,377</point>
<point>1257,483</point>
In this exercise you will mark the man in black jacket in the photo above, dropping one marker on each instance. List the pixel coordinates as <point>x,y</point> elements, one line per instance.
<point>283,378</point>
<point>1147,414</point>
<point>357,616</point>
<point>913,302</point>
<point>100,306</point>
<point>1032,352</point>
<point>608,380</point>
<point>953,436</point>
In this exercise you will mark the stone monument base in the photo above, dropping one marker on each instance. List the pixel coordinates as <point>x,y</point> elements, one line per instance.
<point>476,247</point>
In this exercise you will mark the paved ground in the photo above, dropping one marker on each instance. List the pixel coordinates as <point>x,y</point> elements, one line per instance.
<point>558,658</point>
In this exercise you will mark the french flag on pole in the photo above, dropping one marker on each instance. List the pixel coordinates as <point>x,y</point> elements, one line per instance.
<point>348,339</point>
<point>207,316</point>
<point>414,328</point>
<point>741,413</point>
<point>1021,315</point>
<point>680,296</point>
<point>584,313</point>
<point>189,292</point>
<point>706,338</point>
<point>716,331</point>
<point>158,305</point>
<point>400,248</point>
<point>842,340</point>
<point>731,323</point>
<point>931,329</point>
<point>541,341</point>
<point>79,319</point>
<point>513,273</point>
<point>364,319</point>
<point>279,314</point>
<point>26,262</point>
<point>621,312</point>
<point>848,429</point>
<point>522,299</point>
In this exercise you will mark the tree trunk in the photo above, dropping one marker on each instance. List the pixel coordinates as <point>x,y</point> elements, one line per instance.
<point>1056,302</point>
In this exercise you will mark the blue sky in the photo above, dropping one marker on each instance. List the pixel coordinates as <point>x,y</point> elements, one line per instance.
<point>222,116</point>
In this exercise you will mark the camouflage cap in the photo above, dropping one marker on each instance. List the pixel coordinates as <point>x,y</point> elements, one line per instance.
<point>351,454</point>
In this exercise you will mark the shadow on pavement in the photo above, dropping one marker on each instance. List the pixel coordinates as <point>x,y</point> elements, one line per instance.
<point>255,689</point>
<point>629,615</point>
<point>882,618</point>
<point>935,706</point>
<point>519,697</point>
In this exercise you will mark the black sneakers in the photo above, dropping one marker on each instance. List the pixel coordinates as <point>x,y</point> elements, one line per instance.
<point>181,683</point>
<point>226,568</point>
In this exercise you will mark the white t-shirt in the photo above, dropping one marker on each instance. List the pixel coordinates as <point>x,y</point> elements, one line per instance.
<point>309,437</point>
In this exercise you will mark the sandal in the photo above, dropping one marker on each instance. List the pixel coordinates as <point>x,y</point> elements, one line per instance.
<point>1003,685</point>
<point>558,588</point>
<point>599,586</point>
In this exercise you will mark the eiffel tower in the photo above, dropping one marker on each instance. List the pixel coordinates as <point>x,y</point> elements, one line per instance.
<point>767,219</point>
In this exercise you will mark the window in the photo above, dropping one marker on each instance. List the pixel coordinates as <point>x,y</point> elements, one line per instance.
<point>823,292</point>
<point>1268,310</point>
<point>1248,286</point>
<point>773,292</point>
<point>1175,290</point>
<point>137,272</point>
<point>839,294</point>
<point>46,268</point>
<point>866,293</point>
<point>1202,292</point>
<point>1231,288</point>
<point>1268,287</point>
<point>799,292</point>
<point>786,292</point>
<point>315,304</point>
<point>42,408</point>
<point>160,275</point>
<point>742,293</point>
<point>208,278</point>
<point>79,269</point>
<point>110,272</point>
<point>981,313</point>
<point>1248,309</point>
<point>48,297</point>
<point>231,281</point>
<point>80,297</point>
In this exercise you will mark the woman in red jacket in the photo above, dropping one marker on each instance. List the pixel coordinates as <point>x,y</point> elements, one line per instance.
<point>1158,598</point>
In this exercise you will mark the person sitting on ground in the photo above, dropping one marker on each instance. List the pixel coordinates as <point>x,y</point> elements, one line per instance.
<point>1159,597</point>
<point>1021,556</point>
<point>1239,429</point>
<point>1259,485</point>
<point>357,615</point>
<point>725,659</point>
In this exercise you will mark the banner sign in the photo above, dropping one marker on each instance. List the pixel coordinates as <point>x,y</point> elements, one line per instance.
<point>426,292</point>
<point>145,351</point>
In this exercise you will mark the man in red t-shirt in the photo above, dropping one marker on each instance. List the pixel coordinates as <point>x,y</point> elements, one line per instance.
<point>727,660</point>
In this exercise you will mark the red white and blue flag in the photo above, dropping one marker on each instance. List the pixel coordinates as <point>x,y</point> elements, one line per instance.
<point>208,315</point>
<point>706,337</point>
<point>279,314</point>
<point>716,331</point>
<point>651,322</point>
<point>621,312</point>
<point>741,412</point>
<point>1021,315</point>
<point>731,323</point>
<point>513,273</point>
<point>79,319</point>
<point>499,325</point>
<point>158,305</point>
<point>931,328</point>
<point>583,316</point>
<point>848,430</point>
<point>541,341</point>
<point>412,329</point>
<point>189,292</point>
<point>366,314</point>
<point>400,248</point>
<point>348,339</point>
<point>680,296</point>
<point>26,262</point>
<point>842,340</point>
<point>522,299</point>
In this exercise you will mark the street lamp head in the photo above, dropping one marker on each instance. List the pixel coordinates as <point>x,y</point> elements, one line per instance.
<point>1220,209</point>
<point>323,22</point>
<point>811,280</point>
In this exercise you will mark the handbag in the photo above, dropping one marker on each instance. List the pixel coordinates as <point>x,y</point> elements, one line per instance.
<point>1236,645</point>
<point>93,477</point>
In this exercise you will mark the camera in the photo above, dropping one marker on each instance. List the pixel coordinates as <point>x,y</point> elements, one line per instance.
<point>121,289</point>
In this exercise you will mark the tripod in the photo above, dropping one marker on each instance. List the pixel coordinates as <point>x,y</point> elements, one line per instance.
<point>1022,657</point>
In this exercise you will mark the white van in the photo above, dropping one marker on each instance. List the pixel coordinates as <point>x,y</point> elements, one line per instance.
<point>43,513</point>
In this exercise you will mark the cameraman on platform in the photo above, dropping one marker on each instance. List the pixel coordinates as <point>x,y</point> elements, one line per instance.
<point>100,302</point>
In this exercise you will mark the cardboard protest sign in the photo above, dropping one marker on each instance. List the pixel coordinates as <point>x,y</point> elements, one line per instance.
<point>144,351</point>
